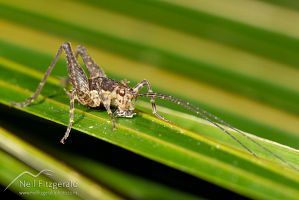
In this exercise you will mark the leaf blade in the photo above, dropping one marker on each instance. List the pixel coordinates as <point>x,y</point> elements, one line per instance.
<point>173,152</point>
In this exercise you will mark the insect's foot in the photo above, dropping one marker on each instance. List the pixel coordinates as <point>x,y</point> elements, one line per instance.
<point>66,135</point>
<point>23,103</point>
<point>161,117</point>
<point>113,122</point>
<point>62,141</point>
<point>130,115</point>
<point>126,114</point>
<point>113,125</point>
<point>20,104</point>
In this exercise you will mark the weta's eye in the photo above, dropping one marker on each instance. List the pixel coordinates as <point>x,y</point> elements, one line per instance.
<point>121,92</point>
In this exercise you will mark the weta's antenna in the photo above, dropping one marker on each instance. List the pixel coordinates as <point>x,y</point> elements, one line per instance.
<point>207,116</point>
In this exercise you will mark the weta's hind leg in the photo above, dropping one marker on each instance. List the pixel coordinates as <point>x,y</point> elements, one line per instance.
<point>77,78</point>
<point>94,70</point>
<point>75,72</point>
<point>149,89</point>
<point>41,84</point>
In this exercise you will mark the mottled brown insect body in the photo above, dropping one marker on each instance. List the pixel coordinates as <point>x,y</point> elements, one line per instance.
<point>95,91</point>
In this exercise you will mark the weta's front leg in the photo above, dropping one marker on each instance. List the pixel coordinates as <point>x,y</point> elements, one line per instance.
<point>106,102</point>
<point>71,117</point>
<point>149,89</point>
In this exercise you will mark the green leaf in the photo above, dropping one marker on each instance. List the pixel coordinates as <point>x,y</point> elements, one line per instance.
<point>193,56</point>
<point>20,153</point>
<point>170,144</point>
<point>239,73</point>
<point>103,176</point>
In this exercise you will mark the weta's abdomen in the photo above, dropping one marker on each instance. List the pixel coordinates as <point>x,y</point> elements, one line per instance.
<point>91,98</point>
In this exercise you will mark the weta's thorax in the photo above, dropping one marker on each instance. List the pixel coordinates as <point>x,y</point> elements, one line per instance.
<point>117,94</point>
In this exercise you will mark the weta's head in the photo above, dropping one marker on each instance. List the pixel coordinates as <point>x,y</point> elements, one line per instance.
<point>125,102</point>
